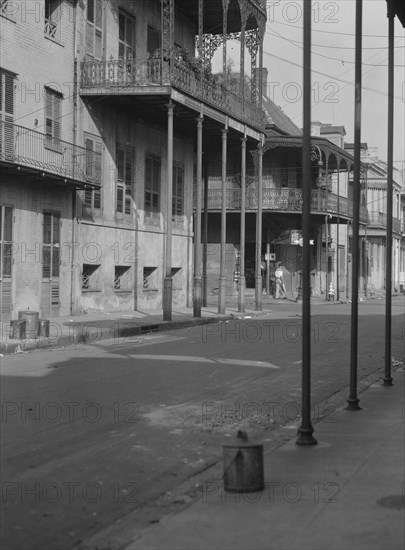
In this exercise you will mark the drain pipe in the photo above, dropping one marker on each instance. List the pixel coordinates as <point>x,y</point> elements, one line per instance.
<point>74,202</point>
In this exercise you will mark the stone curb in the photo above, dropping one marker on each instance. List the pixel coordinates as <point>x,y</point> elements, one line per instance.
<point>82,333</point>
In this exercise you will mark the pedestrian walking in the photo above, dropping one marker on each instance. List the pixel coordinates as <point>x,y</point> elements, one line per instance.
<point>280,287</point>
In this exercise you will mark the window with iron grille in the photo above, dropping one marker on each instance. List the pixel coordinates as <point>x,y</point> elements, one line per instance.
<point>152,185</point>
<point>94,29</point>
<point>125,164</point>
<point>53,107</point>
<point>89,277</point>
<point>94,148</point>
<point>121,277</point>
<point>150,278</point>
<point>6,115</point>
<point>53,11</point>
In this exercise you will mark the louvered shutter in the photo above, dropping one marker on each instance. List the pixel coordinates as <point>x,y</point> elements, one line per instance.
<point>98,148</point>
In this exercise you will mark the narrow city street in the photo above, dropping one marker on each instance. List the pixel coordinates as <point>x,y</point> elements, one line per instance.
<point>92,433</point>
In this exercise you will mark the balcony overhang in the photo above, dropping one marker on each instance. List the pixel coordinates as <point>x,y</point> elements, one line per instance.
<point>151,106</point>
<point>42,175</point>
<point>326,146</point>
<point>46,159</point>
<point>148,84</point>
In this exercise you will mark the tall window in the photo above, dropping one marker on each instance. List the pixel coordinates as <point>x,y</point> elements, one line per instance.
<point>6,113</point>
<point>178,191</point>
<point>126,34</point>
<point>94,148</point>
<point>50,246</point>
<point>53,103</point>
<point>125,163</point>
<point>6,238</point>
<point>152,185</point>
<point>53,19</point>
<point>94,29</point>
<point>153,40</point>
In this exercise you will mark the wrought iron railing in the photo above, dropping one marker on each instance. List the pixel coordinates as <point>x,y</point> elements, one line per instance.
<point>112,74</point>
<point>379,219</point>
<point>285,200</point>
<point>26,147</point>
<point>50,28</point>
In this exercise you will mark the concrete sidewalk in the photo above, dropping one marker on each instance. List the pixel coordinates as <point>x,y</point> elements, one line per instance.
<point>95,326</point>
<point>345,493</point>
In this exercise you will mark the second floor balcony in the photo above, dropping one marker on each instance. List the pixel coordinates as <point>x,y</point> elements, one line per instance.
<point>286,200</point>
<point>156,76</point>
<point>378,220</point>
<point>46,156</point>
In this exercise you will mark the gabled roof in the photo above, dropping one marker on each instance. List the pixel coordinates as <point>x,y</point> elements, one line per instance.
<point>277,121</point>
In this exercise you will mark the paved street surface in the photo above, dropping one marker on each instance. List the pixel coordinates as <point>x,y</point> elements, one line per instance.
<point>108,445</point>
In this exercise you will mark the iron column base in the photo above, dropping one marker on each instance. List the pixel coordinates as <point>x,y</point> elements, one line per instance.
<point>241,296</point>
<point>353,404</point>
<point>387,381</point>
<point>221,300</point>
<point>167,298</point>
<point>197,297</point>
<point>258,293</point>
<point>305,437</point>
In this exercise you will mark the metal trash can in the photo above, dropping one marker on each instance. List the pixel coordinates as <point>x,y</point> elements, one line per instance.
<point>243,465</point>
<point>17,330</point>
<point>43,328</point>
<point>31,319</point>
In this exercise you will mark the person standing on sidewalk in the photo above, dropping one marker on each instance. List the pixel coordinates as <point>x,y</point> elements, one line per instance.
<point>280,287</point>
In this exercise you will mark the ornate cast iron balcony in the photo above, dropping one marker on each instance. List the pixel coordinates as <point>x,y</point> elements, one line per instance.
<point>285,200</point>
<point>34,150</point>
<point>379,220</point>
<point>112,74</point>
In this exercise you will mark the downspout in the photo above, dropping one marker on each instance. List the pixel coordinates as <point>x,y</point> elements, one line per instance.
<point>74,204</point>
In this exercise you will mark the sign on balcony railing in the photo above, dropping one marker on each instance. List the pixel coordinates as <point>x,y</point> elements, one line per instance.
<point>26,147</point>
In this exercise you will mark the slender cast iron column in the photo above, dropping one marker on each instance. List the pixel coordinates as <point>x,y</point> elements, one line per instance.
<point>353,401</point>
<point>387,380</point>
<point>222,277</point>
<point>205,238</point>
<point>242,279</point>
<point>327,259</point>
<point>197,233</point>
<point>258,275</point>
<point>305,431</point>
<point>168,280</point>
<point>337,236</point>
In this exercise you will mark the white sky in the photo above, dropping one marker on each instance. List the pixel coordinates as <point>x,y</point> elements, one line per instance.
<point>333,56</point>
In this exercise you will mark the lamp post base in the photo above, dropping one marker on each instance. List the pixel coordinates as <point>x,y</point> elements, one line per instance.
<point>387,381</point>
<point>305,437</point>
<point>353,404</point>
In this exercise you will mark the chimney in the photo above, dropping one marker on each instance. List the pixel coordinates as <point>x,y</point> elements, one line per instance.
<point>316,128</point>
